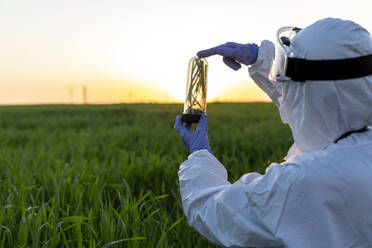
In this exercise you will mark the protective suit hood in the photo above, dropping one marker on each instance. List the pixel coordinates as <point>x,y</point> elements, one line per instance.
<point>319,112</point>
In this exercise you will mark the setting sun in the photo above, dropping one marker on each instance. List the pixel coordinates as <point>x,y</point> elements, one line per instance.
<point>133,51</point>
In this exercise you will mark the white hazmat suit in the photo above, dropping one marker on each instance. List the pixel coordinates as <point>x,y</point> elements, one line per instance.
<point>321,196</point>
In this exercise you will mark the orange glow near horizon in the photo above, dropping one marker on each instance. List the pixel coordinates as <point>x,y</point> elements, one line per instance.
<point>138,51</point>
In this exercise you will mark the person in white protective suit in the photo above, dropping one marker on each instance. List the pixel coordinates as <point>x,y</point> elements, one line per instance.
<point>321,195</point>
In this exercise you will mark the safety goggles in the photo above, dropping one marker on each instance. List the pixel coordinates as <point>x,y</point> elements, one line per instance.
<point>286,67</point>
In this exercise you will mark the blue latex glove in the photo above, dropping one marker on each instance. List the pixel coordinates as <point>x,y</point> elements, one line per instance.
<point>193,140</point>
<point>234,54</point>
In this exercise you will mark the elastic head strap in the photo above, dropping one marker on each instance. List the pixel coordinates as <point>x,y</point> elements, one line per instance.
<point>323,70</point>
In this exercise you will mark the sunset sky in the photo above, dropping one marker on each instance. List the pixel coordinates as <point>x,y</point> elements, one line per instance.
<point>138,50</point>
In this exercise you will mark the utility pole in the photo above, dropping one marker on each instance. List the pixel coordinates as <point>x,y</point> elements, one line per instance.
<point>85,96</point>
<point>71,91</point>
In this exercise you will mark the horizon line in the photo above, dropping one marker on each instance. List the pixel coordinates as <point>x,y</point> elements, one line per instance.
<point>130,102</point>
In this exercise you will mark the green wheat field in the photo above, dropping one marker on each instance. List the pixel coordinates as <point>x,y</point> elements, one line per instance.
<point>106,175</point>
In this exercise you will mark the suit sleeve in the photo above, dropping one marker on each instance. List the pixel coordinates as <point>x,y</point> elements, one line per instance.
<point>260,70</point>
<point>245,213</point>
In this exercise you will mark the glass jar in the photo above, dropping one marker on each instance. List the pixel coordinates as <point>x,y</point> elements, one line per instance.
<point>196,90</point>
